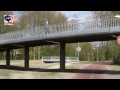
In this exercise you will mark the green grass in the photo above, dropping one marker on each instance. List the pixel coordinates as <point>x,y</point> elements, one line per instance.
<point>114,67</point>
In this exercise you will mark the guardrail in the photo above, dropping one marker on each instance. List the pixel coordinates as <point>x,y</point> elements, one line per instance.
<point>57,59</point>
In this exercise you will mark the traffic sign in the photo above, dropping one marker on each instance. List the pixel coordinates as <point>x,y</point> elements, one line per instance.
<point>118,39</point>
<point>78,49</point>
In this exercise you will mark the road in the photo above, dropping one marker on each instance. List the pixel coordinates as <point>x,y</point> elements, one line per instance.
<point>93,71</point>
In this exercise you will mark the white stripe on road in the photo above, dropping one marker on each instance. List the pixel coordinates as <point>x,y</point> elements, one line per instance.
<point>93,71</point>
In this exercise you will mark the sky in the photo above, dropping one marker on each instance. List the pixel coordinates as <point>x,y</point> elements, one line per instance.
<point>69,14</point>
<point>77,14</point>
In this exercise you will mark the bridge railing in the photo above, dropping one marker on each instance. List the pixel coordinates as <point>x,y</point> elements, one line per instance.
<point>57,59</point>
<point>69,28</point>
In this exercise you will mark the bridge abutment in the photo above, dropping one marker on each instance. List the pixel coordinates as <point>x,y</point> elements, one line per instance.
<point>8,58</point>
<point>62,57</point>
<point>26,52</point>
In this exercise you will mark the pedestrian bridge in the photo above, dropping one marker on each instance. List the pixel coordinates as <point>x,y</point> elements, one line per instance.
<point>69,32</point>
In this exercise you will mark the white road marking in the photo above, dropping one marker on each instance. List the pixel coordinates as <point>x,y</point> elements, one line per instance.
<point>94,67</point>
<point>93,71</point>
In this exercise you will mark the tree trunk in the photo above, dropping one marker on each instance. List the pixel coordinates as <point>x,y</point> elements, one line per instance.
<point>38,52</point>
<point>34,53</point>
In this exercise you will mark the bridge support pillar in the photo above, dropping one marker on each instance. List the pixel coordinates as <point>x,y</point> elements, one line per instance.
<point>8,58</point>
<point>26,52</point>
<point>62,57</point>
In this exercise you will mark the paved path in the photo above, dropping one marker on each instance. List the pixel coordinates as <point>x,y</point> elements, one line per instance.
<point>93,71</point>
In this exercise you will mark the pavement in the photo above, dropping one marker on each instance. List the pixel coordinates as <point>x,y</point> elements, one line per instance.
<point>93,71</point>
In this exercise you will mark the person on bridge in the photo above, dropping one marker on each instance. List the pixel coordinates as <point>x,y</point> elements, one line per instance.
<point>46,27</point>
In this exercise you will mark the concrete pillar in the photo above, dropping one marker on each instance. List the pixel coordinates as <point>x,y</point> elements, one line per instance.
<point>26,57</point>
<point>8,58</point>
<point>62,57</point>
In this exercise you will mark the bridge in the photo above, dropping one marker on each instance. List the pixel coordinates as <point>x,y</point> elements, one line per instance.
<point>68,32</point>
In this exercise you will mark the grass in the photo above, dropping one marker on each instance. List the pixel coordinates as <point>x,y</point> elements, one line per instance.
<point>16,74</point>
<point>114,67</point>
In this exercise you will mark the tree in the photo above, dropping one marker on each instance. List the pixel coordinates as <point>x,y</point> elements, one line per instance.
<point>33,19</point>
<point>110,49</point>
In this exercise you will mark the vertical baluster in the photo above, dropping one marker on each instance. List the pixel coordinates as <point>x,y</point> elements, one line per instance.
<point>12,36</point>
<point>101,25</point>
<point>87,26</point>
<point>111,20</point>
<point>66,27</point>
<point>53,28</point>
<point>61,29</point>
<point>106,24</point>
<point>96,25</point>
<point>57,26</point>
<point>115,22</point>
<point>71,26</point>
<point>91,25</point>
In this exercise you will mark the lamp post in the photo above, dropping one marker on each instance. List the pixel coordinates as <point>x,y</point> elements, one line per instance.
<point>97,52</point>
<point>78,49</point>
<point>88,56</point>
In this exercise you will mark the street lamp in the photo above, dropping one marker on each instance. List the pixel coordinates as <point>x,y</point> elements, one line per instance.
<point>97,52</point>
<point>78,49</point>
<point>88,56</point>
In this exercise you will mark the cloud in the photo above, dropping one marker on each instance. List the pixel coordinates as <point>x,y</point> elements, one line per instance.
<point>77,14</point>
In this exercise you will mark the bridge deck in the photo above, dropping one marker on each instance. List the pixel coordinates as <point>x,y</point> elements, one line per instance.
<point>69,33</point>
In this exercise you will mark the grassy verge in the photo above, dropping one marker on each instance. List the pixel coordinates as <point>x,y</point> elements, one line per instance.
<point>16,74</point>
<point>113,67</point>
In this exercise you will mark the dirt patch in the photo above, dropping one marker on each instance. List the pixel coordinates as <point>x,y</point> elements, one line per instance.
<point>22,76</point>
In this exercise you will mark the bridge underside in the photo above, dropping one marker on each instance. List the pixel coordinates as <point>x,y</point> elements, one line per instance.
<point>50,41</point>
<point>65,39</point>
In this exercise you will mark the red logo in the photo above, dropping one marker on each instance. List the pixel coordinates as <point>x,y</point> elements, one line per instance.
<point>118,39</point>
<point>8,19</point>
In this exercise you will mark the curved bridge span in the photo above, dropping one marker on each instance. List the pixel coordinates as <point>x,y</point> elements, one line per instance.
<point>69,32</point>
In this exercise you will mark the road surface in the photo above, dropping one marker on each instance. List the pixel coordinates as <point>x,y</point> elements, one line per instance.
<point>93,71</point>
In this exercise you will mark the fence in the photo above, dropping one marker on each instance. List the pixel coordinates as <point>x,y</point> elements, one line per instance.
<point>57,59</point>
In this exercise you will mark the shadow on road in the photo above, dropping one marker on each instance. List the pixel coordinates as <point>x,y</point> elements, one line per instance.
<point>58,70</point>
